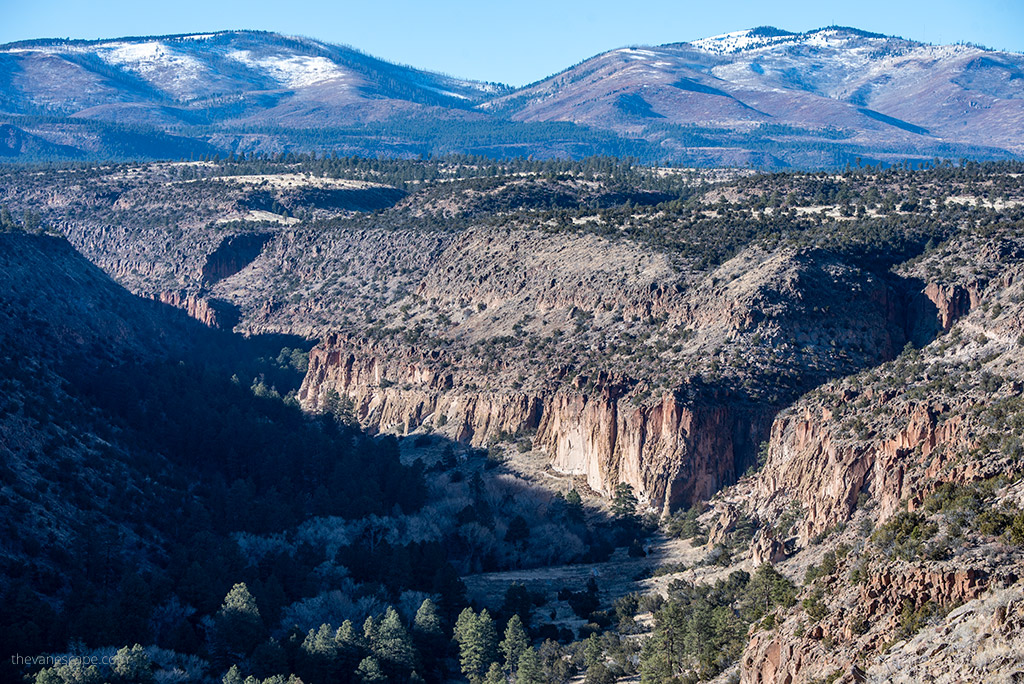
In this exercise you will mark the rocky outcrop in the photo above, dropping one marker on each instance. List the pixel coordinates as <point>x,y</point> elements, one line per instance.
<point>212,313</point>
<point>810,461</point>
<point>981,641</point>
<point>952,301</point>
<point>540,271</point>
<point>397,392</point>
<point>673,451</point>
<point>678,444</point>
<point>869,620</point>
<point>232,255</point>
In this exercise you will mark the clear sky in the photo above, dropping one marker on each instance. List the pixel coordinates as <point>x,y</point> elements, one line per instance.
<point>511,42</point>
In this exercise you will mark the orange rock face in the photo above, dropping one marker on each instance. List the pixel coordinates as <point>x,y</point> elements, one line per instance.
<point>204,311</point>
<point>826,474</point>
<point>672,451</point>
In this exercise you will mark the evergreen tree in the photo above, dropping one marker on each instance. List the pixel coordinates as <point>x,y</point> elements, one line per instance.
<point>238,625</point>
<point>518,600</point>
<point>269,658</point>
<point>370,630</point>
<point>369,671</point>
<point>347,634</point>
<point>530,670</point>
<point>318,656</point>
<point>393,646</point>
<point>598,674</point>
<point>428,621</point>
<point>431,641</point>
<point>514,644</point>
<point>574,506</point>
<point>73,671</point>
<point>592,651</point>
<point>518,532</point>
<point>350,646</point>
<point>132,665</point>
<point>655,667</point>
<point>767,589</point>
<point>7,223</point>
<point>494,675</point>
<point>233,676</point>
<point>625,502</point>
<point>477,641</point>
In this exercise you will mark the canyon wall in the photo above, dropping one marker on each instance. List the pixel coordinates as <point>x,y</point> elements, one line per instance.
<point>674,444</point>
<point>827,465</point>
<point>210,312</point>
<point>775,656</point>
<point>671,451</point>
<point>812,461</point>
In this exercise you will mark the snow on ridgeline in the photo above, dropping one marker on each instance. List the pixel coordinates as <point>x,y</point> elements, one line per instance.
<point>156,62</point>
<point>293,71</point>
<point>753,39</point>
<point>738,40</point>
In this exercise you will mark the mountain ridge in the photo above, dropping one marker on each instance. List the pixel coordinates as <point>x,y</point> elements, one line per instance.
<point>837,93</point>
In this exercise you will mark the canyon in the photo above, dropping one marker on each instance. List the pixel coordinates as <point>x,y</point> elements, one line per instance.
<point>798,355</point>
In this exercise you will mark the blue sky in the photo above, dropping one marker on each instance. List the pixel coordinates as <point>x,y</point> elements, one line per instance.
<point>518,42</point>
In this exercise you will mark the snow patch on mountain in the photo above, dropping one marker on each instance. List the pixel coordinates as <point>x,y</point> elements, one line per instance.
<point>293,71</point>
<point>737,40</point>
<point>154,61</point>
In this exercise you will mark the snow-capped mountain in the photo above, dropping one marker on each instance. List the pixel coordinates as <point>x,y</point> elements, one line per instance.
<point>204,72</point>
<point>766,96</point>
<point>830,84</point>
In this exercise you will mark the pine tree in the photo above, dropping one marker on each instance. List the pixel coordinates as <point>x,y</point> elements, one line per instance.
<point>270,657</point>
<point>369,671</point>
<point>347,635</point>
<point>592,651</point>
<point>132,665</point>
<point>7,223</point>
<point>238,625</point>
<point>431,641</point>
<point>518,531</point>
<point>318,656</point>
<point>428,620</point>
<point>233,676</point>
<point>514,644</point>
<point>598,674</point>
<point>655,667</point>
<point>530,670</point>
<point>477,641</point>
<point>393,645</point>
<point>494,675</point>
<point>574,506</point>
<point>370,630</point>
<point>350,646</point>
<point>73,670</point>
<point>625,503</point>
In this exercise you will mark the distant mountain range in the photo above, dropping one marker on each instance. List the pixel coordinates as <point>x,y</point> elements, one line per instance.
<point>764,97</point>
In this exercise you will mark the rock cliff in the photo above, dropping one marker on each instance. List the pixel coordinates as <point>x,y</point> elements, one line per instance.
<point>919,449</point>
<point>683,447</point>
<point>675,441</point>
<point>212,313</point>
